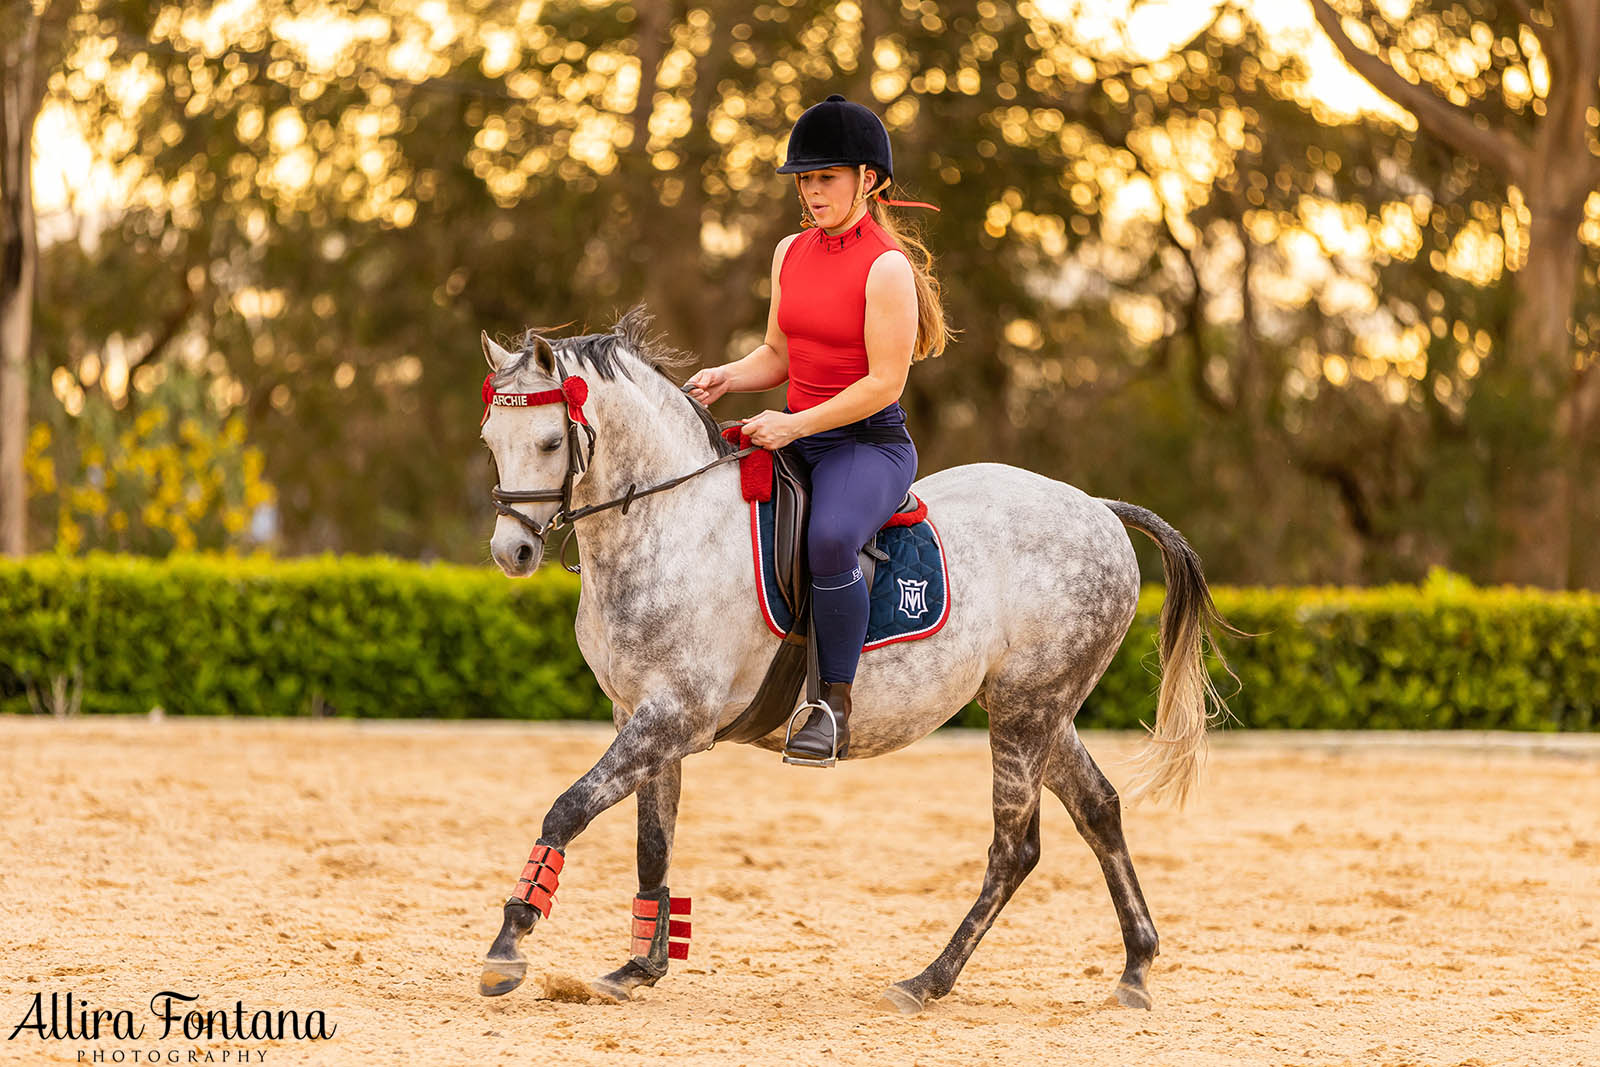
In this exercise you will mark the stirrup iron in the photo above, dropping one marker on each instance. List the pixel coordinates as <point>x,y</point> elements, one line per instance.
<point>807,760</point>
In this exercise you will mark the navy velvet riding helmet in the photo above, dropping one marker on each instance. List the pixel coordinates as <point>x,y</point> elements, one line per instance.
<point>837,133</point>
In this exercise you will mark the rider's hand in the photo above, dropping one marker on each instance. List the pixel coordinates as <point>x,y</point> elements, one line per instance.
<point>772,429</point>
<point>709,385</point>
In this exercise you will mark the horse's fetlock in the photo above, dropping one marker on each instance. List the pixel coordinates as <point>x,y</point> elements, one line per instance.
<point>1143,944</point>
<point>520,917</point>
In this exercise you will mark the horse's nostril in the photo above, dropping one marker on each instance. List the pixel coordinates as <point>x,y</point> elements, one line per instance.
<point>524,555</point>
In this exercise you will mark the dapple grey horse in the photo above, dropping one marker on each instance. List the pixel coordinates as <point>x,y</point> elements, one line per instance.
<point>1044,583</point>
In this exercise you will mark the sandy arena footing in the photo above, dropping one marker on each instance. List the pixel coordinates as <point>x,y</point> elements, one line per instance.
<point>1324,899</point>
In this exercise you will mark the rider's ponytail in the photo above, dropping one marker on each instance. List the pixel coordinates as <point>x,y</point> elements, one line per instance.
<point>933,333</point>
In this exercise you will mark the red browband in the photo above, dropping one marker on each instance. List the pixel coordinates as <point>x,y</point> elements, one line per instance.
<point>574,391</point>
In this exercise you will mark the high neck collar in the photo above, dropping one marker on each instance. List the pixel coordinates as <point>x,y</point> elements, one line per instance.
<point>863,226</point>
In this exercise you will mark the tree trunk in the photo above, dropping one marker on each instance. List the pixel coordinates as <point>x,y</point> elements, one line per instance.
<point>1534,452</point>
<point>19,104</point>
<point>1538,478</point>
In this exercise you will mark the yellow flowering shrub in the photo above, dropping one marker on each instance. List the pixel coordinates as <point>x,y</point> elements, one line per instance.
<point>170,476</point>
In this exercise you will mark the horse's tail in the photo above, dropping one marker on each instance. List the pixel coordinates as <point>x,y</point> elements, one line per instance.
<point>1188,701</point>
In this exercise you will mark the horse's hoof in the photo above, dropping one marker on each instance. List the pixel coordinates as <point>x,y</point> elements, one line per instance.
<point>899,999</point>
<point>1129,996</point>
<point>501,976</point>
<point>609,990</point>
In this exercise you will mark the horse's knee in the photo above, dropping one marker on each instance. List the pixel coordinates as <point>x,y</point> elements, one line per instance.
<point>565,820</point>
<point>1012,861</point>
<point>1102,811</point>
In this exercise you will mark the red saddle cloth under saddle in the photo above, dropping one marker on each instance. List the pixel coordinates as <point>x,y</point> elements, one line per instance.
<point>755,480</point>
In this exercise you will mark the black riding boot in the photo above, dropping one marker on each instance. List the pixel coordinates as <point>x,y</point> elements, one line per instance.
<point>815,738</point>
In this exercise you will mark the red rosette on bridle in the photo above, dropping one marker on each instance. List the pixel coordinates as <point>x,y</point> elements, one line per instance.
<point>576,391</point>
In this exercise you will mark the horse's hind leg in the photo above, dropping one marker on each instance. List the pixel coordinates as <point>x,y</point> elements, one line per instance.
<point>1089,798</point>
<point>658,817</point>
<point>1019,759</point>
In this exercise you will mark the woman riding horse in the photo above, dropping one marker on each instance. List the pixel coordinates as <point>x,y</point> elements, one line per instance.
<point>1053,577</point>
<point>850,313</point>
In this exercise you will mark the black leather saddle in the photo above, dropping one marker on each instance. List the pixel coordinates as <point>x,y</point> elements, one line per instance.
<point>795,664</point>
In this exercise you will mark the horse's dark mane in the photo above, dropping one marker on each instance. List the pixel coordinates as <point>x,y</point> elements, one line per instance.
<point>599,353</point>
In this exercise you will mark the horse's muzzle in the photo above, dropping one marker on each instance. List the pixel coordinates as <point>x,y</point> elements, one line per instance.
<point>517,552</point>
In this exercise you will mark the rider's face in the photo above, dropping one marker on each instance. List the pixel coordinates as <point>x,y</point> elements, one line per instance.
<point>830,193</point>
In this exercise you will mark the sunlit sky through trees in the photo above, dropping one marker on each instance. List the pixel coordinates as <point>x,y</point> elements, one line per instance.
<point>73,177</point>
<point>572,110</point>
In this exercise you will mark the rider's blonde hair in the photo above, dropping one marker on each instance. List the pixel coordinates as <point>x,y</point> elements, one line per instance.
<point>933,333</point>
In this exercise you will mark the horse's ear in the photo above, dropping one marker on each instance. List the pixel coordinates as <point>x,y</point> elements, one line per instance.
<point>493,353</point>
<point>544,356</point>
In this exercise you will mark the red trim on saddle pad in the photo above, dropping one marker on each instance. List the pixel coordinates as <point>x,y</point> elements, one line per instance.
<point>755,470</point>
<point>537,886</point>
<point>909,518</point>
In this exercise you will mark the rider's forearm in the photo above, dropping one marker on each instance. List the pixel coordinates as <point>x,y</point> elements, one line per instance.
<point>762,369</point>
<point>863,397</point>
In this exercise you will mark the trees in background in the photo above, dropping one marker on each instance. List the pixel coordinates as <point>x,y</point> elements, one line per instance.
<point>1514,88</point>
<point>30,38</point>
<point>1180,277</point>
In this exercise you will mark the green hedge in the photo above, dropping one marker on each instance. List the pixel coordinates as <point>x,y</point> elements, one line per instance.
<point>383,638</point>
<point>354,637</point>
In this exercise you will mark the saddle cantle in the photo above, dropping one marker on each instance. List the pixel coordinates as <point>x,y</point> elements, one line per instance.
<point>911,601</point>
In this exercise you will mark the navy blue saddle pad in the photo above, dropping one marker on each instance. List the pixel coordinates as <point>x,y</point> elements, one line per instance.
<point>910,593</point>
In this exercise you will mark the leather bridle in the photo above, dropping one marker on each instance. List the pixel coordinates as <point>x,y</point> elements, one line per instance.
<point>580,453</point>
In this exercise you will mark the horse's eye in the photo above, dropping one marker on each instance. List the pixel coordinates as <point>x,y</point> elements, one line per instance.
<point>549,444</point>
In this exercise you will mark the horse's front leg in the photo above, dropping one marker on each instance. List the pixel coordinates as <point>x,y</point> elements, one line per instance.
<point>658,818</point>
<point>659,735</point>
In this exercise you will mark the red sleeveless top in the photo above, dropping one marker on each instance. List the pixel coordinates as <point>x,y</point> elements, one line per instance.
<point>822,308</point>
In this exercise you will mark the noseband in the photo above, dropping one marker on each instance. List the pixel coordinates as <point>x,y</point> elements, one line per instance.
<point>580,453</point>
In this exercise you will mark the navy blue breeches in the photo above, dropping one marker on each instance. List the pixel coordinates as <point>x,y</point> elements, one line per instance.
<point>855,487</point>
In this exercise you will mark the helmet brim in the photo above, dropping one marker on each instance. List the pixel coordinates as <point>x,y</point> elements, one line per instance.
<point>798,166</point>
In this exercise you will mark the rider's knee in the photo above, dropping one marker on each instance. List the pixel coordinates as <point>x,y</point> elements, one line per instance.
<point>831,552</point>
